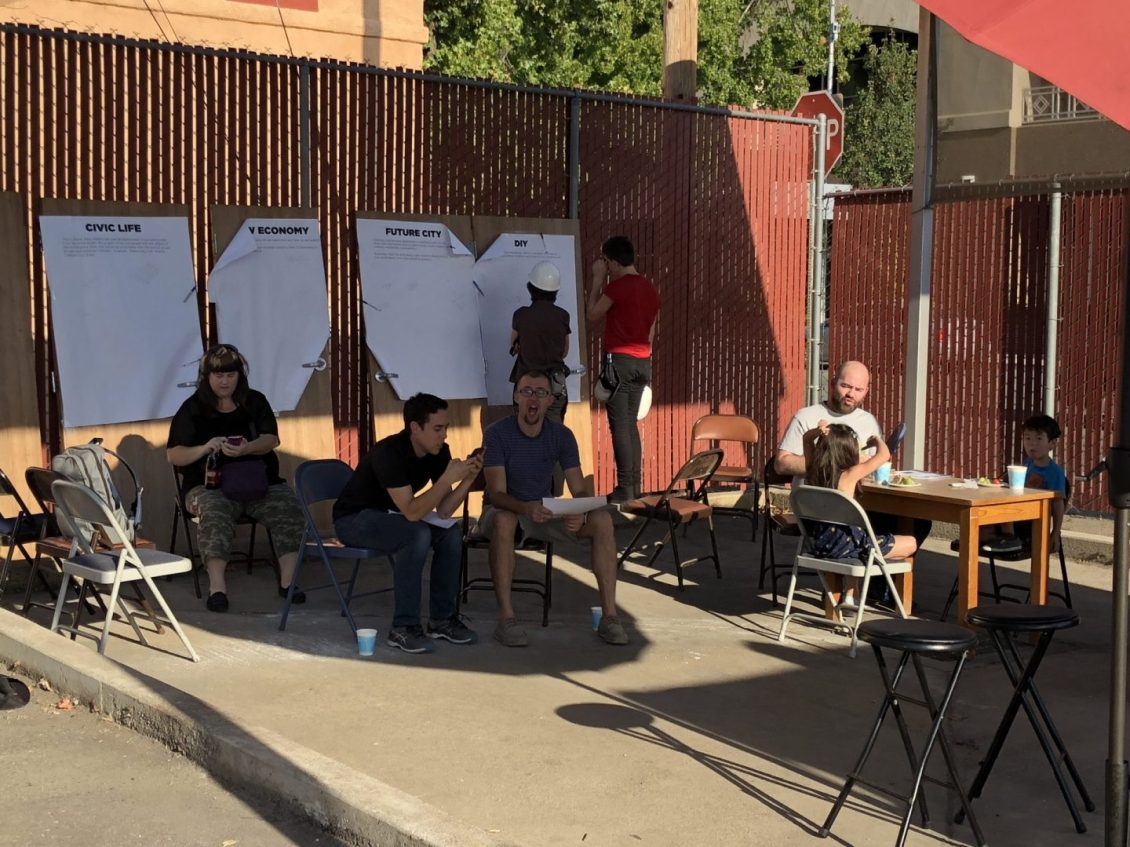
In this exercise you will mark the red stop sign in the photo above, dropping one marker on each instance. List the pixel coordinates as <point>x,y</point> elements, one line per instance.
<point>823,103</point>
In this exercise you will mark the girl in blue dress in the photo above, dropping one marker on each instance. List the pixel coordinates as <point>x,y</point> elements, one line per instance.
<point>833,460</point>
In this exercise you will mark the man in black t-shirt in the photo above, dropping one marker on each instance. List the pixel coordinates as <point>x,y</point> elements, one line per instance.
<point>381,508</point>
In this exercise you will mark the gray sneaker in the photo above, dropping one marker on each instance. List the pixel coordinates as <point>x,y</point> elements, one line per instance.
<point>510,633</point>
<point>454,630</point>
<point>611,630</point>
<point>410,639</point>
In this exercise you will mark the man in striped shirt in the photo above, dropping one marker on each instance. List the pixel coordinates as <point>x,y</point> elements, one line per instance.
<point>521,452</point>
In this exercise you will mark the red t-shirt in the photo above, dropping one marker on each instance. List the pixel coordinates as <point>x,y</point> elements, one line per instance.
<point>635,303</point>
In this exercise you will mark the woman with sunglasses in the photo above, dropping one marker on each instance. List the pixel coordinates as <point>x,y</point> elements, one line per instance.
<point>227,426</point>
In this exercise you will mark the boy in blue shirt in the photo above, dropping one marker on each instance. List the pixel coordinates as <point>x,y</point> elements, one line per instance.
<point>1038,435</point>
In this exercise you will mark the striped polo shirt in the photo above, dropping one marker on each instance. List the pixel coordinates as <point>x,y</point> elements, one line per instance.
<point>529,461</point>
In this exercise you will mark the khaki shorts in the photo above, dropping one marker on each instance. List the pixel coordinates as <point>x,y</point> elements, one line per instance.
<point>553,530</point>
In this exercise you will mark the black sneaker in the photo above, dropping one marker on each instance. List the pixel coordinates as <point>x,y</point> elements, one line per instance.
<point>410,639</point>
<point>299,595</point>
<point>454,630</point>
<point>217,602</point>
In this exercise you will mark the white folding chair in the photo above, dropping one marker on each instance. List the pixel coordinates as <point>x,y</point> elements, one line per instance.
<point>113,565</point>
<point>814,507</point>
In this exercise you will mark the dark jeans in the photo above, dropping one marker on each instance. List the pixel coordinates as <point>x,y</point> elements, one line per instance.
<point>623,407</point>
<point>409,542</point>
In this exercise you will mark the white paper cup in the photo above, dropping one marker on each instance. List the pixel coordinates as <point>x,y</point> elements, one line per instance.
<point>366,641</point>
<point>597,612</point>
<point>1016,477</point>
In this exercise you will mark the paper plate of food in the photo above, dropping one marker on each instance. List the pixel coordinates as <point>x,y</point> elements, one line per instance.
<point>904,481</point>
<point>986,482</point>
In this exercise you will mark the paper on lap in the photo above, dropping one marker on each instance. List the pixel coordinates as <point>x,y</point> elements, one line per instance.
<point>573,505</point>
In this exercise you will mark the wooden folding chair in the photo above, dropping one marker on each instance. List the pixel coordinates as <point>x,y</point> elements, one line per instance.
<point>677,511</point>
<point>717,430</point>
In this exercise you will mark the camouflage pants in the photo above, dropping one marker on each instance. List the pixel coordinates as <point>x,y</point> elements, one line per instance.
<point>278,512</point>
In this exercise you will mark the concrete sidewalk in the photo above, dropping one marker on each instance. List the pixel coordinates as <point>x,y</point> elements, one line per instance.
<point>705,730</point>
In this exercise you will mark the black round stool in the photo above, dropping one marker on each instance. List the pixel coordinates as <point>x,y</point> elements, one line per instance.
<point>913,638</point>
<point>1002,622</point>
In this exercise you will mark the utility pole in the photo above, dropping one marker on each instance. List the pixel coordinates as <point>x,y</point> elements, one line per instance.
<point>833,34</point>
<point>680,50</point>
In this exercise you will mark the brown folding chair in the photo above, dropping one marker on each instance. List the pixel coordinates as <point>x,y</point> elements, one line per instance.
<point>694,476</point>
<point>474,540</point>
<point>716,430</point>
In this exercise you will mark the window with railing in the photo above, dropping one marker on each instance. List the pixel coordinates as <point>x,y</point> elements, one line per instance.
<point>1048,103</point>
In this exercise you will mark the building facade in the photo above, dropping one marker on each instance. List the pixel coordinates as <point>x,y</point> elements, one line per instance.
<point>386,33</point>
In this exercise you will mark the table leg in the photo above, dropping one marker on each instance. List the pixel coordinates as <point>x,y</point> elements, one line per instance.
<point>967,588</point>
<point>1040,550</point>
<point>904,582</point>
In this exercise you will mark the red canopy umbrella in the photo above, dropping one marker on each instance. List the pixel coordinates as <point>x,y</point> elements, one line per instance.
<point>1079,46</point>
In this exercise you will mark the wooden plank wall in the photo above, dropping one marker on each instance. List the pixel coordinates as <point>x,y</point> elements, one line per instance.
<point>21,447</point>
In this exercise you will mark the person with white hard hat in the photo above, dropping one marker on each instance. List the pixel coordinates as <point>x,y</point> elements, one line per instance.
<point>539,337</point>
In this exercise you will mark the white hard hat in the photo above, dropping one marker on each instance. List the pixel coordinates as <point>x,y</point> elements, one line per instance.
<point>546,277</point>
<point>645,403</point>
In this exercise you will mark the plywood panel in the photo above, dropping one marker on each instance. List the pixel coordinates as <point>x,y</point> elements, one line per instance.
<point>141,443</point>
<point>308,431</point>
<point>464,416</point>
<point>577,415</point>
<point>20,442</point>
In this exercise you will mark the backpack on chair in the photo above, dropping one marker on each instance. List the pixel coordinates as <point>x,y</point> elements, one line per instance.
<point>86,465</point>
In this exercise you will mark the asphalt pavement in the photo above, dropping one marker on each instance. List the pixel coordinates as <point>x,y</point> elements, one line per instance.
<point>72,776</point>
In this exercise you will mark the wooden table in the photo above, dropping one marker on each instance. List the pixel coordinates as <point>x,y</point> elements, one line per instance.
<point>970,509</point>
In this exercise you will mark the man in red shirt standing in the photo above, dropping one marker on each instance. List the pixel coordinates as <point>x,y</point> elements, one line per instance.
<point>629,304</point>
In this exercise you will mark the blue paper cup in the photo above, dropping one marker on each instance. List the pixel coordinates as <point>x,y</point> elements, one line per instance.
<point>883,473</point>
<point>366,641</point>
<point>1016,476</point>
<point>597,611</point>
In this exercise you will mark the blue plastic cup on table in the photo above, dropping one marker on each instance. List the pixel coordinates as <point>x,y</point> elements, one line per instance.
<point>366,641</point>
<point>1017,474</point>
<point>883,473</point>
<point>597,612</point>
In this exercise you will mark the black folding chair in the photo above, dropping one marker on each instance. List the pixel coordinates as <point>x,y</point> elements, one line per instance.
<point>319,481</point>
<point>475,540</point>
<point>183,518</point>
<point>22,528</point>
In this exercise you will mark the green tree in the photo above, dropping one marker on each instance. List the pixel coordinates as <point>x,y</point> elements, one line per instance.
<point>879,130</point>
<point>608,45</point>
<point>756,53</point>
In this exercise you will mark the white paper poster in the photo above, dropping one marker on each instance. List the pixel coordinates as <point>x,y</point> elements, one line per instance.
<point>269,288</point>
<point>419,305</point>
<point>501,275</point>
<point>123,315</point>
